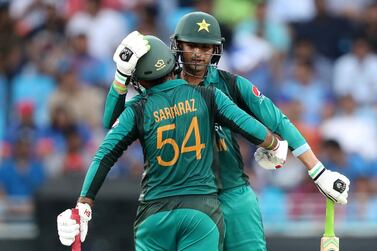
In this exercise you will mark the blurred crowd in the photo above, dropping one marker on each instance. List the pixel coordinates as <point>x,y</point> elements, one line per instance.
<point>316,59</point>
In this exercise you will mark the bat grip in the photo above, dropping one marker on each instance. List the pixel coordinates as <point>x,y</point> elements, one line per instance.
<point>329,226</point>
<point>76,246</point>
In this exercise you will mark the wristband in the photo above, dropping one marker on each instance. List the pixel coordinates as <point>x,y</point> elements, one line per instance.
<point>271,144</point>
<point>316,171</point>
<point>119,87</point>
<point>121,78</point>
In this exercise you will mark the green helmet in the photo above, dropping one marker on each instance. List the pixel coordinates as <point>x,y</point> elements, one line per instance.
<point>198,27</point>
<point>201,28</point>
<point>157,62</point>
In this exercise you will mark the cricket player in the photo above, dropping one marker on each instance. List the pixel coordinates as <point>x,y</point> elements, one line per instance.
<point>198,44</point>
<point>179,207</point>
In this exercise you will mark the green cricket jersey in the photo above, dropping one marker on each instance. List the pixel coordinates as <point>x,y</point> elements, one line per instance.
<point>174,122</point>
<point>248,98</point>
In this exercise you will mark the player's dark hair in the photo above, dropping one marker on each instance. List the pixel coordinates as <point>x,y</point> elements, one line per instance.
<point>332,143</point>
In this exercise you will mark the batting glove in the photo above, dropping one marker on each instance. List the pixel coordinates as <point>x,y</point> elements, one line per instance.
<point>333,185</point>
<point>132,47</point>
<point>272,159</point>
<point>68,227</point>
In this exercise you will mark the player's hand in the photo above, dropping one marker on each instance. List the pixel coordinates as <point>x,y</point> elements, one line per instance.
<point>132,47</point>
<point>272,159</point>
<point>68,228</point>
<point>333,185</point>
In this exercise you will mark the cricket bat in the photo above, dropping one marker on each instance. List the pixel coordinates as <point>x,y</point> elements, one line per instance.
<point>76,245</point>
<point>329,242</point>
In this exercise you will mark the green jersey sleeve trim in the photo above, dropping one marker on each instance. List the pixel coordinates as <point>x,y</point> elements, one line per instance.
<point>300,150</point>
<point>116,141</point>
<point>230,115</point>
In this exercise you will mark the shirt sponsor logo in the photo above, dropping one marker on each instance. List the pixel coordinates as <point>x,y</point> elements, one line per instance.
<point>256,91</point>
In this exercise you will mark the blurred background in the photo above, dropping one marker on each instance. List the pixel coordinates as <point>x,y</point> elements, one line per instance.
<point>316,59</point>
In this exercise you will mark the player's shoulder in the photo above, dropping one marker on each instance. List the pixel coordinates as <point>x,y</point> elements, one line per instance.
<point>240,83</point>
<point>207,90</point>
<point>134,99</point>
<point>198,88</point>
<point>136,104</point>
<point>231,79</point>
<point>225,74</point>
<point>204,93</point>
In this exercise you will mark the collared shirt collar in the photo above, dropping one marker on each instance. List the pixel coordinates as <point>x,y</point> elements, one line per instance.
<point>211,77</point>
<point>170,84</point>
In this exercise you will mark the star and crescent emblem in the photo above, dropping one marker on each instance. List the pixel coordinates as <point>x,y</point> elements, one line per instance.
<point>203,25</point>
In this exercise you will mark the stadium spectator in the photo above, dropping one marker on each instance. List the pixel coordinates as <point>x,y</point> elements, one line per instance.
<point>95,21</point>
<point>353,128</point>
<point>355,73</point>
<point>370,15</point>
<point>34,76</point>
<point>364,203</point>
<point>328,33</point>
<point>291,10</point>
<point>350,9</point>
<point>337,160</point>
<point>53,142</point>
<point>89,70</point>
<point>303,50</point>
<point>71,94</point>
<point>21,174</point>
<point>76,158</point>
<point>276,33</point>
<point>312,94</point>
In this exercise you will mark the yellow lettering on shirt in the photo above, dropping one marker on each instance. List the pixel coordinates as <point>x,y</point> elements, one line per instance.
<point>167,112</point>
<point>221,145</point>
<point>156,117</point>
<point>176,110</point>
<point>193,104</point>
<point>188,107</point>
<point>162,115</point>
<point>181,107</point>
<point>172,112</point>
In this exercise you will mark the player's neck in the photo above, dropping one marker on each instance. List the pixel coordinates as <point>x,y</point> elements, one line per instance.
<point>193,79</point>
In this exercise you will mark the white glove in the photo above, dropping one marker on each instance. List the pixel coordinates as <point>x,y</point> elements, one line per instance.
<point>132,47</point>
<point>333,185</point>
<point>272,159</point>
<point>68,228</point>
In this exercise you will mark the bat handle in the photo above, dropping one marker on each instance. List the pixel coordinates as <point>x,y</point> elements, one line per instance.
<point>76,246</point>
<point>329,226</point>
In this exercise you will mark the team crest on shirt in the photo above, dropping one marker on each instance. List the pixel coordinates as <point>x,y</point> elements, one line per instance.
<point>116,123</point>
<point>159,64</point>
